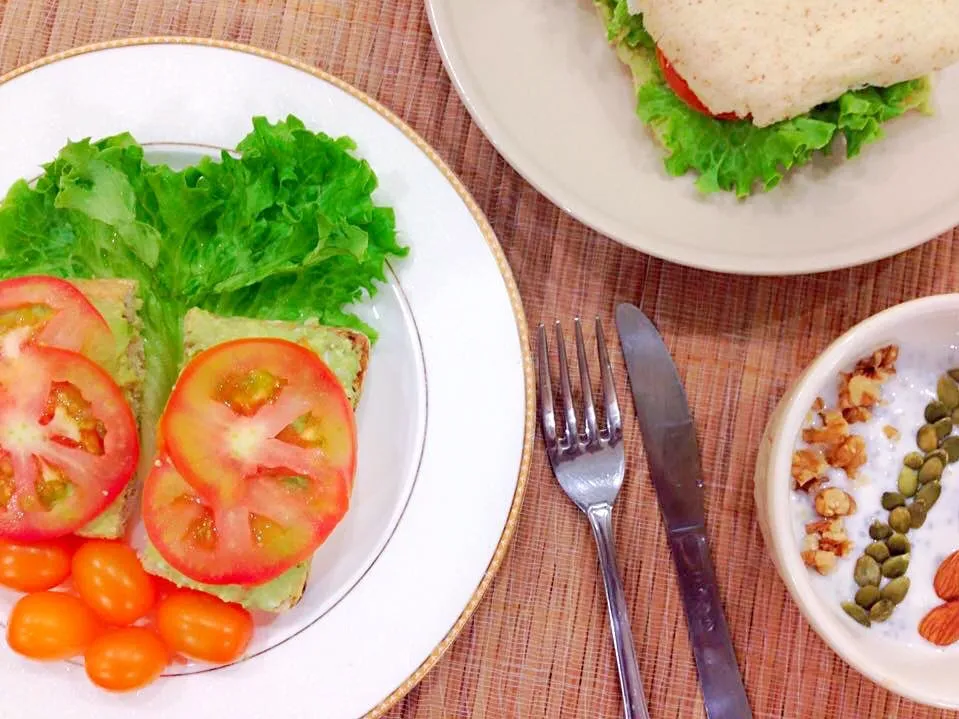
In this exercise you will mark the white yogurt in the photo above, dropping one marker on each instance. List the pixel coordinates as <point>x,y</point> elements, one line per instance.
<point>904,398</point>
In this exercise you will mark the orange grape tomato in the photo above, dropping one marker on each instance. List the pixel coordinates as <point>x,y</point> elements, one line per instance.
<point>126,658</point>
<point>35,566</point>
<point>110,579</point>
<point>50,626</point>
<point>202,627</point>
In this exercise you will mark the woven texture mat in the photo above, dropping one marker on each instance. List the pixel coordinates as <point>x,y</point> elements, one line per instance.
<point>539,646</point>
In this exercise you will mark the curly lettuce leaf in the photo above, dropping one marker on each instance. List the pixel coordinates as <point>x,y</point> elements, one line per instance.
<point>284,229</point>
<point>736,156</point>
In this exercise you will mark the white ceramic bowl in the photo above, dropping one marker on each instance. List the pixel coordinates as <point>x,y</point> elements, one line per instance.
<point>926,676</point>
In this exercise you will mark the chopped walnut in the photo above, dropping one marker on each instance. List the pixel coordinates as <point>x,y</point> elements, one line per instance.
<point>833,430</point>
<point>834,502</point>
<point>891,432</point>
<point>858,390</point>
<point>852,415</point>
<point>808,467</point>
<point>834,539</point>
<point>849,455</point>
<point>825,536</point>
<point>881,364</point>
<point>862,387</point>
<point>820,560</point>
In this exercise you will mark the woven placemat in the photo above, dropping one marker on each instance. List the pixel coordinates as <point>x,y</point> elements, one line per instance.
<point>538,646</point>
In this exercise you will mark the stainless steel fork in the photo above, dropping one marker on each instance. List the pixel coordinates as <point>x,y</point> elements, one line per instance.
<point>590,465</point>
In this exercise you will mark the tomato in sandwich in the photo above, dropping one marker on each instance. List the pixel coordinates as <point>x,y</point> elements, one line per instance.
<point>679,86</point>
<point>50,311</point>
<point>258,444</point>
<point>68,442</point>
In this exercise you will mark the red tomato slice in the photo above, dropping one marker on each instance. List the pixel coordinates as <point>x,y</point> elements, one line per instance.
<point>51,311</point>
<point>68,442</point>
<point>678,85</point>
<point>261,445</point>
<point>276,526</point>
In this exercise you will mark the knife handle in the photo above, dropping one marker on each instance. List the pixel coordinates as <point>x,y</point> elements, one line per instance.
<point>723,693</point>
<point>631,685</point>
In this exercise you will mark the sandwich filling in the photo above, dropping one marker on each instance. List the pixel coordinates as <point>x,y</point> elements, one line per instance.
<point>729,152</point>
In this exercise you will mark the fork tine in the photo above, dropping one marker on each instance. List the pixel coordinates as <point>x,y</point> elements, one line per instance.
<point>547,414</point>
<point>592,431</point>
<point>572,431</point>
<point>614,421</point>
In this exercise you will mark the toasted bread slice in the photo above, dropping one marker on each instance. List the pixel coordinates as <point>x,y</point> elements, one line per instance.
<point>347,353</point>
<point>117,301</point>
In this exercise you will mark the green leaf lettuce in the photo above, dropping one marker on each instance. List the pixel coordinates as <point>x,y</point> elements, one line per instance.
<point>285,228</point>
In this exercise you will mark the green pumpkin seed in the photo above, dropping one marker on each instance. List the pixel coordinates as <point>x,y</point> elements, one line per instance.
<point>900,520</point>
<point>867,596</point>
<point>948,392</point>
<point>940,453</point>
<point>928,494</point>
<point>879,530</point>
<point>926,438</point>
<point>895,566</point>
<point>878,551</point>
<point>908,481</point>
<point>955,416</point>
<point>895,590</point>
<point>891,500</point>
<point>950,445</point>
<point>881,610</point>
<point>931,470</point>
<point>856,612</point>
<point>914,460</point>
<point>954,373</point>
<point>943,427</point>
<point>935,411</point>
<point>917,513</point>
<point>867,571</point>
<point>898,544</point>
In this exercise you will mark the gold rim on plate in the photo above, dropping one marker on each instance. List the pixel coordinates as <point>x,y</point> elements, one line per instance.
<point>495,248</point>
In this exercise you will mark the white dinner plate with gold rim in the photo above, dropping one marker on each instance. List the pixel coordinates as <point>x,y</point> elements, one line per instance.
<point>541,82</point>
<point>444,434</point>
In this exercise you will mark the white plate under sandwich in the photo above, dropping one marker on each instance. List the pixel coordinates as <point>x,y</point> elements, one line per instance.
<point>444,421</point>
<point>541,82</point>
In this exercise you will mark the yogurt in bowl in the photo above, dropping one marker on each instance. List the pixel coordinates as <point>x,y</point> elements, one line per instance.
<point>838,474</point>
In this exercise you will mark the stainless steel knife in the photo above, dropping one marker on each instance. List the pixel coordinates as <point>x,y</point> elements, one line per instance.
<point>669,437</point>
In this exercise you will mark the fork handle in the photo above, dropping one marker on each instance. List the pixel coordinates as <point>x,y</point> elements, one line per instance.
<point>631,685</point>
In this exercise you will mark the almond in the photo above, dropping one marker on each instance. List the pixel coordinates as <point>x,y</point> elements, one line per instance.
<point>941,625</point>
<point>946,582</point>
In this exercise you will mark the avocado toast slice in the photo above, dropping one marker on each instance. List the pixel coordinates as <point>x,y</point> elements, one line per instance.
<point>117,301</point>
<point>346,352</point>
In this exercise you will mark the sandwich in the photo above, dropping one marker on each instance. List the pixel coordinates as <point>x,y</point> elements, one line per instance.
<point>184,512</point>
<point>741,92</point>
<point>72,375</point>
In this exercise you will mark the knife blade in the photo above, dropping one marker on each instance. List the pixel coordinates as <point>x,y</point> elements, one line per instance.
<point>669,437</point>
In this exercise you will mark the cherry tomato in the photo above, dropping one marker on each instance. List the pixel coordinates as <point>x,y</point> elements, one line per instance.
<point>51,625</point>
<point>202,627</point>
<point>110,579</point>
<point>50,311</point>
<point>36,566</point>
<point>260,442</point>
<point>68,443</point>
<point>126,658</point>
<point>678,85</point>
